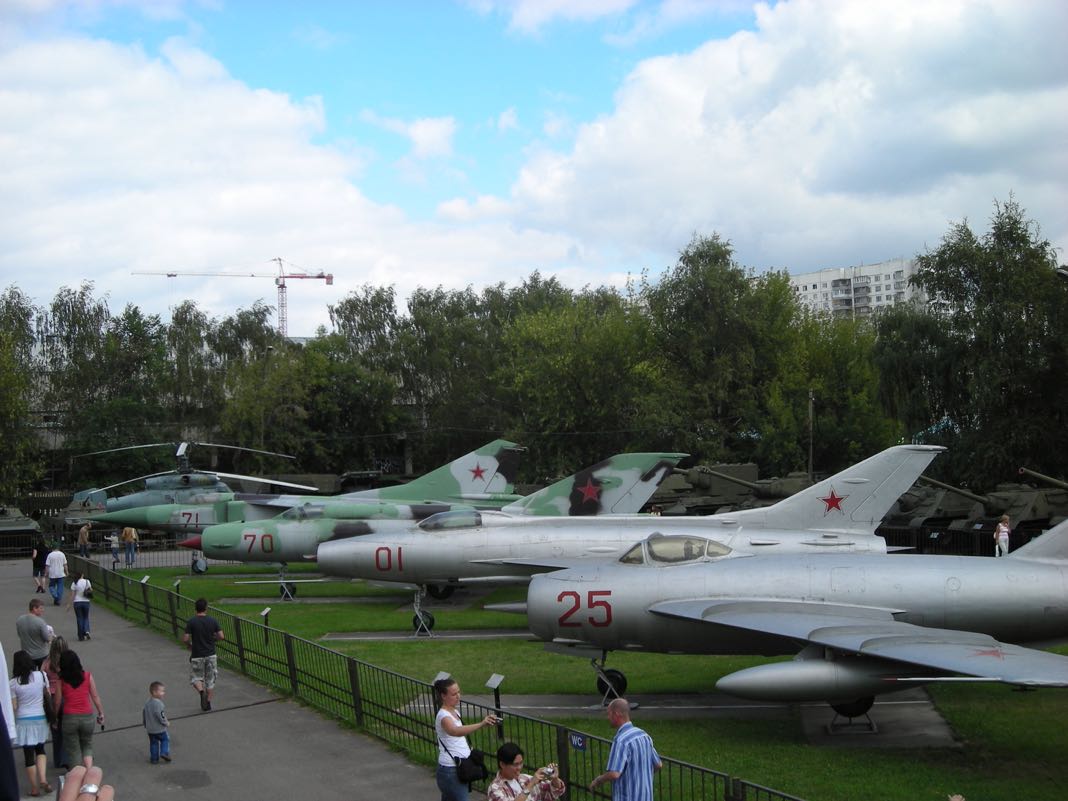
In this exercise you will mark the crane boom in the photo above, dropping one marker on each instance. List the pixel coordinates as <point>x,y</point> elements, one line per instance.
<point>279,281</point>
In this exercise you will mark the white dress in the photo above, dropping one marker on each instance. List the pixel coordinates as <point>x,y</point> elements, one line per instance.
<point>31,725</point>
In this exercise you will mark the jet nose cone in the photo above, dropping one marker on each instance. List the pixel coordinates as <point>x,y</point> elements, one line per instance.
<point>193,543</point>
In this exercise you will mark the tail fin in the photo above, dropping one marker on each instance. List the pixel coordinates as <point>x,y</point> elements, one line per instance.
<point>620,484</point>
<point>854,500</point>
<point>486,474</point>
<point>1049,547</point>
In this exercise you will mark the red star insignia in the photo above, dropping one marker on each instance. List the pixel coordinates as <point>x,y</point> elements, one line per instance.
<point>834,501</point>
<point>995,652</point>
<point>590,492</point>
<point>478,471</point>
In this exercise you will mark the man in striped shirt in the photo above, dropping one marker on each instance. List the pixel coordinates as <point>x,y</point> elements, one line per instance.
<point>631,759</point>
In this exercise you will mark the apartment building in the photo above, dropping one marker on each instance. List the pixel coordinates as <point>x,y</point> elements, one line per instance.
<point>858,291</point>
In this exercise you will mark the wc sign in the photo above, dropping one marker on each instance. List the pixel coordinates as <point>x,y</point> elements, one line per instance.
<point>578,740</point>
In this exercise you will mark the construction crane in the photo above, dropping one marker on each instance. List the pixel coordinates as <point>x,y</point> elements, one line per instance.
<point>279,281</point>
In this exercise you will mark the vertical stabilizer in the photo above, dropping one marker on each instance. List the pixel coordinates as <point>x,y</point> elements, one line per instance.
<point>854,500</point>
<point>481,475</point>
<point>621,484</point>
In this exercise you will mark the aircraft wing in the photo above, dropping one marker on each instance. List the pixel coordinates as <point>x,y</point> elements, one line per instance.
<point>533,565</point>
<point>875,633</point>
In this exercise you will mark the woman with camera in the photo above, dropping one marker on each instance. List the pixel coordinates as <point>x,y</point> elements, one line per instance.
<point>511,783</point>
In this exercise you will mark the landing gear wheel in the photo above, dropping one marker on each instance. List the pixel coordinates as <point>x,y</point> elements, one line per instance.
<point>618,680</point>
<point>854,709</point>
<point>287,590</point>
<point>440,591</point>
<point>428,621</point>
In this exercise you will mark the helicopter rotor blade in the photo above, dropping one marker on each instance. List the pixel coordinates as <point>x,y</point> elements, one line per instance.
<point>261,480</point>
<point>247,450</point>
<point>126,448</point>
<point>139,478</point>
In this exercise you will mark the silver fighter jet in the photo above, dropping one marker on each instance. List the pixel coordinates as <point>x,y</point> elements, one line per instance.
<point>859,625</point>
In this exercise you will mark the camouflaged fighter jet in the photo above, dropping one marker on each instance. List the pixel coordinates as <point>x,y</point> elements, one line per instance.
<point>859,625</point>
<point>620,484</point>
<point>484,478</point>
<point>466,548</point>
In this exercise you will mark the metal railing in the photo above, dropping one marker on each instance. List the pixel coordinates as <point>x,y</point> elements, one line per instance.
<point>397,708</point>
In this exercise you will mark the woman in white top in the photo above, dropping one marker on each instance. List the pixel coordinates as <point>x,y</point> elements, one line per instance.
<point>81,603</point>
<point>1001,537</point>
<point>452,738</point>
<point>28,687</point>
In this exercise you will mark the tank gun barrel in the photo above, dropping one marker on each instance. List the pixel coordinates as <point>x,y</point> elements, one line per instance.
<point>1043,477</point>
<point>701,477</point>
<point>950,488</point>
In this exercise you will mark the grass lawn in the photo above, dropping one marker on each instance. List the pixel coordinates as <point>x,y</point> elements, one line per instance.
<point>1013,742</point>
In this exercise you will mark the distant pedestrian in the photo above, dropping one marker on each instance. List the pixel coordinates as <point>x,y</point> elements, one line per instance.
<point>114,540</point>
<point>77,696</point>
<point>28,687</point>
<point>56,564</point>
<point>80,592</point>
<point>631,759</point>
<point>1001,537</point>
<point>129,542</point>
<point>33,632</point>
<point>202,631</point>
<point>83,541</point>
<point>154,717</point>
<point>39,557</point>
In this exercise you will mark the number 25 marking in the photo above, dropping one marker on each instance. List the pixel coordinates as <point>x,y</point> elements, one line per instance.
<point>595,599</point>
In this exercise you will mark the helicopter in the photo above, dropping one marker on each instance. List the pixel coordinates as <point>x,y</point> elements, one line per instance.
<point>184,482</point>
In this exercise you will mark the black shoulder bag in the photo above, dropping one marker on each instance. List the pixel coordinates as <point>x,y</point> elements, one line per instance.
<point>469,768</point>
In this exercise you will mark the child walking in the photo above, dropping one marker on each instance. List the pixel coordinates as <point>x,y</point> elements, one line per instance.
<point>154,716</point>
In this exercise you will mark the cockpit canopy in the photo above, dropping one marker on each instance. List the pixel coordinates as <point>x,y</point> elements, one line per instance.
<point>660,549</point>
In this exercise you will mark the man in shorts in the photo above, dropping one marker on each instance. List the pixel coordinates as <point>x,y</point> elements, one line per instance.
<point>202,631</point>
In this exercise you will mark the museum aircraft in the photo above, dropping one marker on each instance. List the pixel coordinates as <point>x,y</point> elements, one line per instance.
<point>619,484</point>
<point>461,548</point>
<point>483,478</point>
<point>858,625</point>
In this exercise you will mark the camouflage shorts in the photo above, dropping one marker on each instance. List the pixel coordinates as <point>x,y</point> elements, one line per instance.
<point>204,669</point>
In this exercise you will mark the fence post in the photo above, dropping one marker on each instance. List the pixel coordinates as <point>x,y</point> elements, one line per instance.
<point>563,754</point>
<point>357,695</point>
<point>735,790</point>
<point>291,661</point>
<point>122,586</point>
<point>148,609</point>
<point>174,614</point>
<point>240,646</point>
<point>107,587</point>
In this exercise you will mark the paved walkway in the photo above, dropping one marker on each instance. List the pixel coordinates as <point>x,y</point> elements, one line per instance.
<point>253,745</point>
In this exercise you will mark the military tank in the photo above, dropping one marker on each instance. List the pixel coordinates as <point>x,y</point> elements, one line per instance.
<point>17,532</point>
<point>704,490</point>
<point>1031,511</point>
<point>922,517</point>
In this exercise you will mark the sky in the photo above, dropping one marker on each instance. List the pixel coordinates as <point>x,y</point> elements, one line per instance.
<point>430,143</point>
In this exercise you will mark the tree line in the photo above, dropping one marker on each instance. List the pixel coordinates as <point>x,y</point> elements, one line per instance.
<point>708,358</point>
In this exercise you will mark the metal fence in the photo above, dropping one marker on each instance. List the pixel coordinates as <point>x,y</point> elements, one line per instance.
<point>396,708</point>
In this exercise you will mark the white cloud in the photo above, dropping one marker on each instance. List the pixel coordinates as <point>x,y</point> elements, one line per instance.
<point>117,162</point>
<point>508,120</point>
<point>834,133</point>
<point>430,137</point>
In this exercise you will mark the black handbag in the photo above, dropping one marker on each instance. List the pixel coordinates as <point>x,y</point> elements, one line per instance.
<point>470,768</point>
<point>49,708</point>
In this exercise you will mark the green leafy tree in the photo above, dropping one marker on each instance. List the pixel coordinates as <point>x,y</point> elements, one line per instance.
<point>1005,318</point>
<point>21,461</point>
